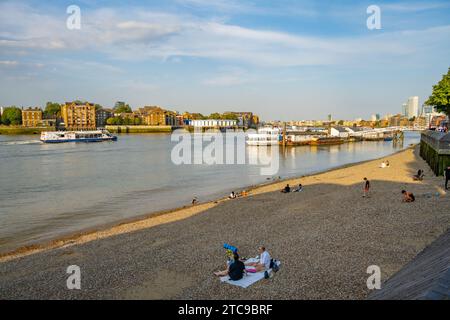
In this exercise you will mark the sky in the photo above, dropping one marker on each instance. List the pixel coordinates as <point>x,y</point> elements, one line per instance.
<point>283,60</point>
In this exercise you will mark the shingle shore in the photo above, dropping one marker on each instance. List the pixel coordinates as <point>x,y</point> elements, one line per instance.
<point>325,236</point>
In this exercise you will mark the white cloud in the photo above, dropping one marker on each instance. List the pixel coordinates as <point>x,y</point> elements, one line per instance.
<point>140,34</point>
<point>8,63</point>
<point>415,6</point>
<point>228,77</point>
<point>276,8</point>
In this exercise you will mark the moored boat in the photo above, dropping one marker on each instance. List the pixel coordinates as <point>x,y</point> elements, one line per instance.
<point>77,136</point>
<point>326,141</point>
<point>265,137</point>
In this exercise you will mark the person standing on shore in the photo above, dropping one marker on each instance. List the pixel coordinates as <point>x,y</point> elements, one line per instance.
<point>366,188</point>
<point>447,177</point>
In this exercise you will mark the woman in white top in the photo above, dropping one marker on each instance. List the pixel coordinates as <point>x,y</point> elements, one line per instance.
<point>264,260</point>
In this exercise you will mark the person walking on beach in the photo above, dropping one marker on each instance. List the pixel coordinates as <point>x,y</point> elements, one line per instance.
<point>366,188</point>
<point>447,177</point>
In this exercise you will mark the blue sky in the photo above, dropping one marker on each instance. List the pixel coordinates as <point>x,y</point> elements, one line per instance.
<point>282,59</point>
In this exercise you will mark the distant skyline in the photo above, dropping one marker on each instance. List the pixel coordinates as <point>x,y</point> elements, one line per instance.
<point>281,60</point>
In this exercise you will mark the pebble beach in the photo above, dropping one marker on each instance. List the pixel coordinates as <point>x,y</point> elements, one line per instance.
<point>325,236</point>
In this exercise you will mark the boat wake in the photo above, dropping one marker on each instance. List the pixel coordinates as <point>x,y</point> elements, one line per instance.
<point>19,142</point>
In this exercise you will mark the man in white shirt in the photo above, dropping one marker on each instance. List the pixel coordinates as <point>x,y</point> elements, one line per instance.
<point>264,260</point>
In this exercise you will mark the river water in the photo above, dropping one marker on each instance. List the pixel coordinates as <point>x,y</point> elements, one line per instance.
<point>49,190</point>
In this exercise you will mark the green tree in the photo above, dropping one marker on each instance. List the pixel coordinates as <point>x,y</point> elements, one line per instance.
<point>230,116</point>
<point>341,122</point>
<point>97,106</point>
<point>127,121</point>
<point>52,109</point>
<point>215,116</point>
<point>122,107</point>
<point>115,121</point>
<point>79,102</point>
<point>12,116</point>
<point>440,98</point>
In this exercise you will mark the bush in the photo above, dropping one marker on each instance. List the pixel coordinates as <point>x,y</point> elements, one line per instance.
<point>12,116</point>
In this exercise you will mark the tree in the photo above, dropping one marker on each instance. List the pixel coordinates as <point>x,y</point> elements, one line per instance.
<point>122,107</point>
<point>127,121</point>
<point>12,116</point>
<point>215,116</point>
<point>79,102</point>
<point>52,109</point>
<point>97,107</point>
<point>440,98</point>
<point>115,121</point>
<point>341,122</point>
<point>230,116</point>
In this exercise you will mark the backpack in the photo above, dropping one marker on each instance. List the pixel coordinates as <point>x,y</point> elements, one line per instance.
<point>274,266</point>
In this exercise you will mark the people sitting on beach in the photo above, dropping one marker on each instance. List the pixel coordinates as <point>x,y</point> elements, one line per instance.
<point>194,201</point>
<point>244,193</point>
<point>286,189</point>
<point>299,188</point>
<point>235,270</point>
<point>232,195</point>
<point>264,260</point>
<point>385,164</point>
<point>419,176</point>
<point>408,196</point>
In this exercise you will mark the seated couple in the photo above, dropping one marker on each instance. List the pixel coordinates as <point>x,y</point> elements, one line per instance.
<point>288,189</point>
<point>234,195</point>
<point>385,164</point>
<point>237,268</point>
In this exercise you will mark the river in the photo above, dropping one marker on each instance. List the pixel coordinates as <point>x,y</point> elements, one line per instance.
<point>50,190</point>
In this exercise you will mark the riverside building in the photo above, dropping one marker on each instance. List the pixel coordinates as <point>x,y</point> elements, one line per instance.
<point>32,117</point>
<point>79,116</point>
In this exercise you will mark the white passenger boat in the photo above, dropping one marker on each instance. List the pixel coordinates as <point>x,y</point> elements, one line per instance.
<point>265,137</point>
<point>77,136</point>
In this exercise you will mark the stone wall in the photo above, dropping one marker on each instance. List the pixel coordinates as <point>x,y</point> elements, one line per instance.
<point>435,150</point>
